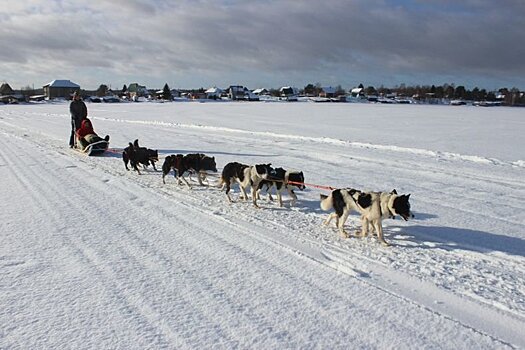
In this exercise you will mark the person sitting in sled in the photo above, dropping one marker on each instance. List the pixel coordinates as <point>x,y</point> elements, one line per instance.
<point>86,135</point>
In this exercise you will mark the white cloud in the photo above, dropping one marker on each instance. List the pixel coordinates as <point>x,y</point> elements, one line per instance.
<point>188,42</point>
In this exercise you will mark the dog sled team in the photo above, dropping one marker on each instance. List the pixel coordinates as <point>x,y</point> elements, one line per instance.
<point>373,207</point>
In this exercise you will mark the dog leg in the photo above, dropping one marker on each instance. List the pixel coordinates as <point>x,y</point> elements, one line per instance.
<point>226,184</point>
<point>379,229</point>
<point>203,177</point>
<point>185,181</point>
<point>244,195</point>
<point>292,194</point>
<point>364,227</point>
<point>341,224</point>
<point>280,198</point>
<point>329,219</point>
<point>254,197</point>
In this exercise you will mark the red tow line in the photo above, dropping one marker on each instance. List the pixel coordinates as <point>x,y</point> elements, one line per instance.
<point>328,188</point>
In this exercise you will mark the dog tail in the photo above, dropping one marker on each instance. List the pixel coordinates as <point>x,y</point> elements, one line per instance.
<point>326,202</point>
<point>221,183</point>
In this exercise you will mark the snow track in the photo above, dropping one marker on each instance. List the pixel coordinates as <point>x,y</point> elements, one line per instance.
<point>94,256</point>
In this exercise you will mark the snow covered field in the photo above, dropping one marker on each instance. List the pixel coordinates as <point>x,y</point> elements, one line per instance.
<point>95,257</point>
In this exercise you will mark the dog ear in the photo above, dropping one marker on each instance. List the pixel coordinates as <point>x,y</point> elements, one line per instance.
<point>393,191</point>
<point>136,143</point>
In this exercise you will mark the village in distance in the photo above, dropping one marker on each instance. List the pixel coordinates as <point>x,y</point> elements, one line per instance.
<point>402,94</point>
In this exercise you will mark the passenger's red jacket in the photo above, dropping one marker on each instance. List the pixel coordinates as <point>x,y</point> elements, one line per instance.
<point>85,129</point>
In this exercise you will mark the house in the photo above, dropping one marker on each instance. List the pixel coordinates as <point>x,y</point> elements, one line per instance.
<point>175,93</point>
<point>213,93</point>
<point>5,89</point>
<point>60,88</point>
<point>261,92</point>
<point>327,91</point>
<point>357,92</point>
<point>238,92</point>
<point>136,90</point>
<point>7,95</point>
<point>288,93</point>
<point>197,95</point>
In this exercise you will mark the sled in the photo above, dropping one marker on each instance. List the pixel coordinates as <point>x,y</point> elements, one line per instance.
<point>95,148</point>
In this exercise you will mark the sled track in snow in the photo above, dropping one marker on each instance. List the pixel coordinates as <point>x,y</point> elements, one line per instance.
<point>147,302</point>
<point>296,231</point>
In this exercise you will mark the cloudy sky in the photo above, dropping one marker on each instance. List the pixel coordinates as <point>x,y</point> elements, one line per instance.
<point>264,43</point>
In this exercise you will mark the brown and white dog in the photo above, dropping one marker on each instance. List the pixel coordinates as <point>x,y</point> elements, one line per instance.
<point>373,207</point>
<point>246,176</point>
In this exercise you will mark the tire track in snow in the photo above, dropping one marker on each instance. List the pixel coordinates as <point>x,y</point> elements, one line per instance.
<point>119,295</point>
<point>338,262</point>
<point>95,260</point>
<point>247,214</point>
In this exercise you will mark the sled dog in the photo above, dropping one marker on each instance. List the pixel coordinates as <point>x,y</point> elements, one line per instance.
<point>373,207</point>
<point>135,155</point>
<point>200,164</point>
<point>197,162</point>
<point>246,176</point>
<point>178,163</point>
<point>281,180</point>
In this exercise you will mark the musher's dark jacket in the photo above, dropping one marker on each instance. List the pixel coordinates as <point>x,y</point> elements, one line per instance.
<point>78,112</point>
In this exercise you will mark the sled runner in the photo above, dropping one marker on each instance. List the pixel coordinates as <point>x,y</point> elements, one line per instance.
<point>95,148</point>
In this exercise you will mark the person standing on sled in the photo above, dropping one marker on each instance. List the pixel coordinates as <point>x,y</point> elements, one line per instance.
<point>86,135</point>
<point>78,111</point>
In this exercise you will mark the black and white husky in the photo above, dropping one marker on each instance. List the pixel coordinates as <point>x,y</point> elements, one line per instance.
<point>282,180</point>
<point>373,207</point>
<point>246,176</point>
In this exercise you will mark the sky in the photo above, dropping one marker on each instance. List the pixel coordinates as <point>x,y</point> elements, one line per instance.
<point>265,43</point>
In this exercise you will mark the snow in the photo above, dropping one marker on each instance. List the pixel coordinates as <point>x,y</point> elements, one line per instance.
<point>95,257</point>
